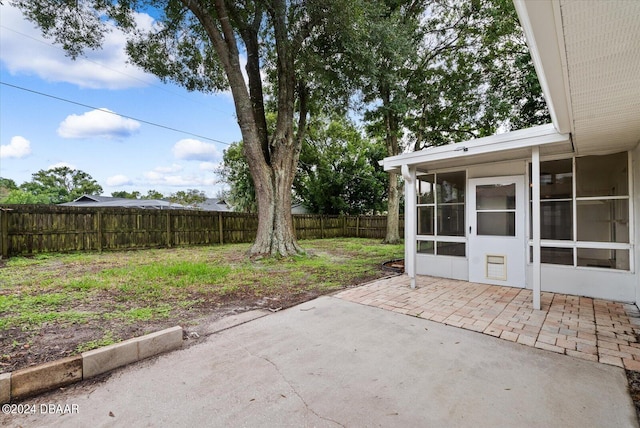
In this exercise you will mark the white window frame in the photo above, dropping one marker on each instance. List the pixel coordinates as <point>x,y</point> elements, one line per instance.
<point>574,243</point>
<point>436,238</point>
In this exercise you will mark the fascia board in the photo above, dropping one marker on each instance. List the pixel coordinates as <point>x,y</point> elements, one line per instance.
<point>536,136</point>
<point>542,25</point>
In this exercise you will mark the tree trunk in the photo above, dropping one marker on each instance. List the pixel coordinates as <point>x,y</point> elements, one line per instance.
<point>275,235</point>
<point>273,170</point>
<point>393,211</point>
<point>272,160</point>
<point>393,204</point>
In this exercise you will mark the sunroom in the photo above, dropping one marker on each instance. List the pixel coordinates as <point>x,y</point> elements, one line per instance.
<point>551,208</point>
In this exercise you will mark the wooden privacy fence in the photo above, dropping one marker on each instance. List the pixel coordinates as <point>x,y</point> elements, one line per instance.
<point>32,229</point>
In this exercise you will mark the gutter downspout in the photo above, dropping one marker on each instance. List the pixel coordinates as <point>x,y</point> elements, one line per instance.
<point>410,221</point>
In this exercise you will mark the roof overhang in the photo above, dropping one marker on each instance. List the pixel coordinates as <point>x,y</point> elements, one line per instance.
<point>501,147</point>
<point>587,58</point>
<point>542,25</point>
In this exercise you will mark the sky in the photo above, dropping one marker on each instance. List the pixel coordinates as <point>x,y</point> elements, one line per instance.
<point>130,153</point>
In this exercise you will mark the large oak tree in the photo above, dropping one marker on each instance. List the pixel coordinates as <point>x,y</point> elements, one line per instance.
<point>202,44</point>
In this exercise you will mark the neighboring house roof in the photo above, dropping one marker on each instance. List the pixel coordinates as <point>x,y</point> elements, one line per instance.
<point>107,201</point>
<point>214,204</point>
<point>299,209</point>
<point>94,198</point>
<point>210,204</point>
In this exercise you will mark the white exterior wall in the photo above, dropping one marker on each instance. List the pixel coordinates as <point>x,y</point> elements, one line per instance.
<point>442,266</point>
<point>497,169</point>
<point>606,284</point>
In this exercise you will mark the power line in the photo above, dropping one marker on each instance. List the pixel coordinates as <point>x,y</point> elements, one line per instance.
<point>362,177</point>
<point>114,113</point>
<point>162,88</point>
<point>83,58</point>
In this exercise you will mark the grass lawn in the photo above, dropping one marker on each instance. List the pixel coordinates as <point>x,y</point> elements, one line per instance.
<point>52,306</point>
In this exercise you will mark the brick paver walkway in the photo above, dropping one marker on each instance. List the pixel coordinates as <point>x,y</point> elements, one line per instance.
<point>582,327</point>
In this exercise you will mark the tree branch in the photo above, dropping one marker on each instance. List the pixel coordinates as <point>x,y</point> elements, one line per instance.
<point>249,28</point>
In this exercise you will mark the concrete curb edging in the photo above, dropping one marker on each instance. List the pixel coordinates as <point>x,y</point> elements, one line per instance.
<point>34,380</point>
<point>37,379</point>
<point>5,388</point>
<point>110,357</point>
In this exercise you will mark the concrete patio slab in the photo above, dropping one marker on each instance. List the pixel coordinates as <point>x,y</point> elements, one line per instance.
<point>330,362</point>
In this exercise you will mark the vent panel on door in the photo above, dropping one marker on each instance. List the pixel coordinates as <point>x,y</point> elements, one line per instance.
<point>496,267</point>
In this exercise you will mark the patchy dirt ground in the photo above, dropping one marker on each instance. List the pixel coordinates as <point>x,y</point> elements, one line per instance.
<point>20,349</point>
<point>633,378</point>
<point>25,345</point>
<point>110,303</point>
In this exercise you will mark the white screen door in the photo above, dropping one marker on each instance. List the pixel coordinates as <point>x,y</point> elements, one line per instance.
<point>497,251</point>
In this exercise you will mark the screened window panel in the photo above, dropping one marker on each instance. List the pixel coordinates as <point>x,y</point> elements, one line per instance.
<point>451,220</point>
<point>556,256</point>
<point>603,220</point>
<point>556,220</point>
<point>451,249</point>
<point>451,187</point>
<point>426,247</point>
<point>603,258</point>
<point>602,175</point>
<point>425,220</point>
<point>425,189</point>
<point>556,179</point>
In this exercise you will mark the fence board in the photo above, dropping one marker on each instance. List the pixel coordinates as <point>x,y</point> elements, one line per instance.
<point>33,229</point>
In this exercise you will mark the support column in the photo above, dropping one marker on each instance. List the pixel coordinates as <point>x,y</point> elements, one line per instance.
<point>410,222</point>
<point>535,217</point>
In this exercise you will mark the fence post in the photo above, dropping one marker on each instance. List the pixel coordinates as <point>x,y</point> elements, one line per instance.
<point>4,233</point>
<point>357,226</point>
<point>321,226</point>
<point>169,228</point>
<point>220,228</point>
<point>344,226</point>
<point>99,219</point>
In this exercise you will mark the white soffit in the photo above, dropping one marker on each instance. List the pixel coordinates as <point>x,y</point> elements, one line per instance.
<point>602,41</point>
<point>587,57</point>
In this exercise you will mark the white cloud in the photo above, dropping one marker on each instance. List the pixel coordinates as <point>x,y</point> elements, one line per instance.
<point>118,180</point>
<point>19,147</point>
<point>209,166</point>
<point>25,51</point>
<point>97,123</point>
<point>190,149</point>
<point>168,176</point>
<point>62,165</point>
<point>168,169</point>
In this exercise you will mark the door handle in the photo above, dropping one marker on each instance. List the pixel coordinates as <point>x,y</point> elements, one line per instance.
<point>469,230</point>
